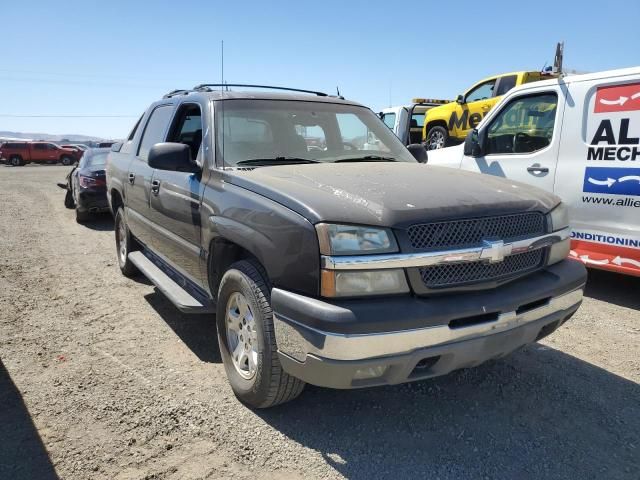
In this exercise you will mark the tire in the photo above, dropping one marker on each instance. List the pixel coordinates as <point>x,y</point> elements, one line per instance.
<point>82,216</point>
<point>66,160</point>
<point>437,138</point>
<point>267,384</point>
<point>125,244</point>
<point>16,161</point>
<point>68,200</point>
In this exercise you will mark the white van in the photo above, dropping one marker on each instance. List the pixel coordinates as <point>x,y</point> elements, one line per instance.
<point>579,137</point>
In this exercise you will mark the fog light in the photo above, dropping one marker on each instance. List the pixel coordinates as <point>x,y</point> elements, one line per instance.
<point>370,372</point>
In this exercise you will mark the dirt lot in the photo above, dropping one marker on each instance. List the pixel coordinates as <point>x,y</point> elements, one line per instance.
<point>100,377</point>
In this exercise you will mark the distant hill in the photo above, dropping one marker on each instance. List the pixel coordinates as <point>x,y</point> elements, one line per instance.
<point>71,138</point>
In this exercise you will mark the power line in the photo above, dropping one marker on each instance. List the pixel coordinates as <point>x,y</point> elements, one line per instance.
<point>8,115</point>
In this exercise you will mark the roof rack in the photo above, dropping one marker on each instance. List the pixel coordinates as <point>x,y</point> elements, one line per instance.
<point>173,93</point>
<point>206,87</point>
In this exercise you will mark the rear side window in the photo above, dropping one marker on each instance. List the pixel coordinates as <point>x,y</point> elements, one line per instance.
<point>154,130</point>
<point>506,83</point>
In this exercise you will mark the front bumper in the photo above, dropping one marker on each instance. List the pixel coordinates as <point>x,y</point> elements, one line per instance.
<point>454,331</point>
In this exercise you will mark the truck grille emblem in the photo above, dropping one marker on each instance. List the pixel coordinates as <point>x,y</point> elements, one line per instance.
<point>494,250</point>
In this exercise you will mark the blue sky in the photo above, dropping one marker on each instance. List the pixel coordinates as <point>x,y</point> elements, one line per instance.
<point>115,57</point>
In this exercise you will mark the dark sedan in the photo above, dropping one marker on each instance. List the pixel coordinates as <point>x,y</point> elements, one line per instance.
<point>86,186</point>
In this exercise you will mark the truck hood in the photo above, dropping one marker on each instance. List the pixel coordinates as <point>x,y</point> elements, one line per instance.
<point>389,194</point>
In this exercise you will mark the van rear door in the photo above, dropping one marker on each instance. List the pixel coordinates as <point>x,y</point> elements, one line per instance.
<point>523,136</point>
<point>598,173</point>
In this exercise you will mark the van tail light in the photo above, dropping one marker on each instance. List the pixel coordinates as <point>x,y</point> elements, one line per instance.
<point>90,182</point>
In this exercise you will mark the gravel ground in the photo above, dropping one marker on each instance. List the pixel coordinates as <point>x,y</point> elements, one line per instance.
<point>100,377</point>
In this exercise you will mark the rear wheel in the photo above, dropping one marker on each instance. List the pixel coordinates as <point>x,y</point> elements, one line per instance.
<point>125,244</point>
<point>66,160</point>
<point>16,161</point>
<point>247,339</point>
<point>437,138</point>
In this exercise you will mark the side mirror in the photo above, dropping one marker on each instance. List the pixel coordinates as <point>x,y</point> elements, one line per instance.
<point>419,152</point>
<point>116,147</point>
<point>172,156</point>
<point>473,144</point>
<point>460,99</point>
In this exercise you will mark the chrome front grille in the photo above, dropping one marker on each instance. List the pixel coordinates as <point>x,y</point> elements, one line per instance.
<point>449,275</point>
<point>471,232</point>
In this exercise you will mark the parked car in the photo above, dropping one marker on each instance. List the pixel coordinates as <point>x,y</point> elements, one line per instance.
<point>345,267</point>
<point>75,146</point>
<point>450,123</point>
<point>577,137</point>
<point>406,121</point>
<point>86,185</point>
<point>21,153</point>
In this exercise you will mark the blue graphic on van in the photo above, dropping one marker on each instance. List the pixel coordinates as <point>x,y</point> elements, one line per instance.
<point>614,181</point>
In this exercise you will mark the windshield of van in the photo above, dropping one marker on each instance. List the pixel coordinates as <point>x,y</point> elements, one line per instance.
<point>271,132</point>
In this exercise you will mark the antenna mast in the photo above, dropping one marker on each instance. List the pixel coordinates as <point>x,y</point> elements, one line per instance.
<point>222,96</point>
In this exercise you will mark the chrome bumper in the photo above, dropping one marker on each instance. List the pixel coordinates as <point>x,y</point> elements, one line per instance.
<point>297,341</point>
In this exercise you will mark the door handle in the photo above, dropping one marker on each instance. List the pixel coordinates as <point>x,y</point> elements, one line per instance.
<point>486,107</point>
<point>537,169</point>
<point>155,187</point>
<point>132,178</point>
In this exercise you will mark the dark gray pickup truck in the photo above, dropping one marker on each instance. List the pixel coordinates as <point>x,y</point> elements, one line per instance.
<point>327,253</point>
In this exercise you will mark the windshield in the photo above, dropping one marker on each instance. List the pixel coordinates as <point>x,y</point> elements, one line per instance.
<point>273,131</point>
<point>97,159</point>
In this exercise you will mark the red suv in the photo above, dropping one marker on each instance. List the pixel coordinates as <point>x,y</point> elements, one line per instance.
<point>21,153</point>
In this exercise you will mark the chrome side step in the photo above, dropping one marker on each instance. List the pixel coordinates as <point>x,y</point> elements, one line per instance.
<point>183,301</point>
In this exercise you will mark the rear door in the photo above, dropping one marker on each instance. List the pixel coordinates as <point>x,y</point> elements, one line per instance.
<point>599,171</point>
<point>477,102</point>
<point>523,137</point>
<point>138,181</point>
<point>40,152</point>
<point>175,198</point>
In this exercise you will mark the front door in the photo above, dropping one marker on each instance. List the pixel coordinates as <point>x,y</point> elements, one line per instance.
<point>477,103</point>
<point>175,199</point>
<point>522,139</point>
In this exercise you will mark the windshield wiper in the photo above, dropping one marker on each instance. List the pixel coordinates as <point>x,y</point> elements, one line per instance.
<point>367,158</point>
<point>259,162</point>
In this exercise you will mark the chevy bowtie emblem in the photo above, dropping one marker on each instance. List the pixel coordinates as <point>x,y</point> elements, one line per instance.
<point>494,251</point>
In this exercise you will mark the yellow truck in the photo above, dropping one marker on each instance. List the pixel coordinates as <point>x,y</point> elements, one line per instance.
<point>450,123</point>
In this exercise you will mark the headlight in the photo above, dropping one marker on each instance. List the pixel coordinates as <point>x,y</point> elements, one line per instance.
<point>364,282</point>
<point>559,217</point>
<point>354,240</point>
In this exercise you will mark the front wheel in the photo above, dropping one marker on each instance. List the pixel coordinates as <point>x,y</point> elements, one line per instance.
<point>66,161</point>
<point>247,340</point>
<point>125,243</point>
<point>16,161</point>
<point>437,138</point>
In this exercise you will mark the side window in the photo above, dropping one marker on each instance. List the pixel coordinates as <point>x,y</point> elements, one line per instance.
<point>39,146</point>
<point>481,92</point>
<point>505,84</point>
<point>187,128</point>
<point>524,125</point>
<point>389,119</point>
<point>417,120</point>
<point>154,130</point>
<point>51,146</point>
